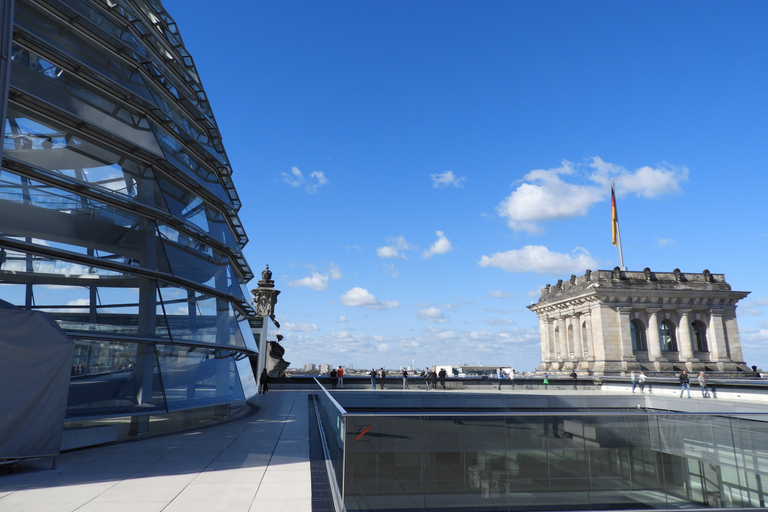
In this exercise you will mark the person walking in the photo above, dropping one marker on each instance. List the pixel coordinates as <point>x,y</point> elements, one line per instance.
<point>333,378</point>
<point>641,381</point>
<point>512,377</point>
<point>382,376</point>
<point>500,376</point>
<point>340,376</point>
<point>433,379</point>
<point>427,375</point>
<point>264,381</point>
<point>703,385</point>
<point>685,384</point>
<point>442,375</point>
<point>546,381</point>
<point>405,379</point>
<point>574,376</point>
<point>373,378</point>
<point>633,378</point>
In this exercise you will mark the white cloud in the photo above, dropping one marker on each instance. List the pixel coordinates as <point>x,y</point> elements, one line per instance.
<point>361,297</point>
<point>296,179</point>
<point>334,272</point>
<point>316,281</point>
<point>396,248</point>
<point>319,180</point>
<point>500,321</point>
<point>447,178</point>
<point>547,195</point>
<point>498,294</point>
<point>537,258</point>
<point>300,327</point>
<point>664,241</point>
<point>753,306</point>
<point>647,182</point>
<point>342,319</point>
<point>391,270</point>
<point>441,246</point>
<point>432,314</point>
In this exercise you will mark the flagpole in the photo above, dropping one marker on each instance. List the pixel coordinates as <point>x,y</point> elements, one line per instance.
<point>618,239</point>
<point>617,231</point>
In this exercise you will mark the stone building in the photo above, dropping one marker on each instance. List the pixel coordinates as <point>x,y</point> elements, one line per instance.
<point>270,352</point>
<point>610,322</point>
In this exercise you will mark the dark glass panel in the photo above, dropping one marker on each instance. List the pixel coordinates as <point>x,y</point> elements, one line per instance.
<point>91,56</point>
<point>109,377</point>
<point>194,376</point>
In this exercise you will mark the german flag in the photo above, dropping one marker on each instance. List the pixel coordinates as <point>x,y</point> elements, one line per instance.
<point>614,215</point>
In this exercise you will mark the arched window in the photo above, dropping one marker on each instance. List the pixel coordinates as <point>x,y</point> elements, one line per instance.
<point>585,338</point>
<point>638,335</point>
<point>699,337</point>
<point>557,341</point>
<point>571,344</point>
<point>667,335</point>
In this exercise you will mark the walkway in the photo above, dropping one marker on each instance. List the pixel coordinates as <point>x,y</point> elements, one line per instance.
<point>256,463</point>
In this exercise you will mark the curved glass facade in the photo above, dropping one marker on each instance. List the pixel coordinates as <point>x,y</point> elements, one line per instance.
<point>118,214</point>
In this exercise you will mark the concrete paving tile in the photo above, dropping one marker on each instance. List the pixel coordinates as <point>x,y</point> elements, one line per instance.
<point>302,465</point>
<point>217,491</point>
<point>61,506</point>
<point>81,493</point>
<point>282,505</point>
<point>231,476</point>
<point>124,506</point>
<point>274,486</point>
<point>286,459</point>
<point>222,505</point>
<point>237,464</point>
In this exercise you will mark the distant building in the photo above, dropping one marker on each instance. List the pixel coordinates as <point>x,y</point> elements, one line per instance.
<point>614,321</point>
<point>325,368</point>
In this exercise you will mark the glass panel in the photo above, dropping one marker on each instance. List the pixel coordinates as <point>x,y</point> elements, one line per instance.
<point>47,147</point>
<point>193,316</point>
<point>247,379</point>
<point>545,461</point>
<point>186,205</point>
<point>42,79</point>
<point>194,376</point>
<point>176,154</point>
<point>88,54</point>
<point>109,377</point>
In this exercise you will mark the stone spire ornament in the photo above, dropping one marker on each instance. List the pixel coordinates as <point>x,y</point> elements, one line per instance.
<point>265,296</point>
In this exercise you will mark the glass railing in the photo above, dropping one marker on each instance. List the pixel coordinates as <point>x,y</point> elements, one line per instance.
<point>581,460</point>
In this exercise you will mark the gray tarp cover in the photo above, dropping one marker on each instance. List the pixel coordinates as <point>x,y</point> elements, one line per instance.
<point>35,365</point>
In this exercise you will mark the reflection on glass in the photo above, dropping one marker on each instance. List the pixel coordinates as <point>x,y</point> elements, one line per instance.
<point>551,461</point>
<point>109,376</point>
<point>194,376</point>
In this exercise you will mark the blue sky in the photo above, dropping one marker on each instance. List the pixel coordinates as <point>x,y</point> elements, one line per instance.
<point>415,172</point>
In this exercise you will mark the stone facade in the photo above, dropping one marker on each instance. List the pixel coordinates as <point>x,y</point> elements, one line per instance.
<point>270,352</point>
<point>610,322</point>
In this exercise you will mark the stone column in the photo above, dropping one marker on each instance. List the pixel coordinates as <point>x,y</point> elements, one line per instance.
<point>654,341</point>
<point>578,344</point>
<point>590,337</point>
<point>546,351</point>
<point>716,333</point>
<point>625,334</point>
<point>684,342</point>
<point>733,337</point>
<point>563,339</point>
